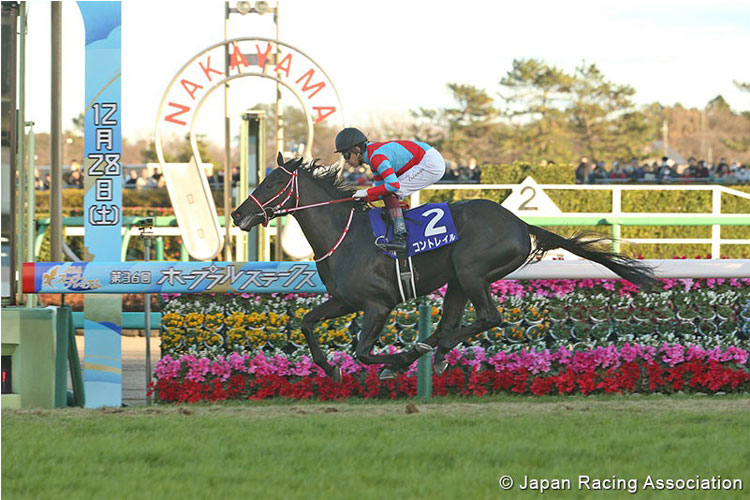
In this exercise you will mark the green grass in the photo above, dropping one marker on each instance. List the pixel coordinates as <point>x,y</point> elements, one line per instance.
<point>452,448</point>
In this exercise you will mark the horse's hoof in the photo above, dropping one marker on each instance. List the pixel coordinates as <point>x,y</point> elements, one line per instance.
<point>336,374</point>
<point>440,367</point>
<point>422,348</point>
<point>387,374</point>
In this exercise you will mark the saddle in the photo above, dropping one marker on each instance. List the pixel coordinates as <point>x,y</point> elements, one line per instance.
<point>429,227</point>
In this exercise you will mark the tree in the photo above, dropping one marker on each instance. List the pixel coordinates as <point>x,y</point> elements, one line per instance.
<point>79,124</point>
<point>295,133</point>
<point>471,124</point>
<point>148,154</point>
<point>185,151</point>
<point>536,96</point>
<point>548,114</point>
<point>739,144</point>
<point>468,130</point>
<point>430,126</point>
<point>718,104</point>
<point>604,118</point>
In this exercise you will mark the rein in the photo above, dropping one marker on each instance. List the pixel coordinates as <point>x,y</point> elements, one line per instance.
<point>293,186</point>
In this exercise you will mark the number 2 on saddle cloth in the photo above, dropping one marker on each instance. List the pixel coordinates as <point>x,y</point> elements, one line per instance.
<point>429,226</point>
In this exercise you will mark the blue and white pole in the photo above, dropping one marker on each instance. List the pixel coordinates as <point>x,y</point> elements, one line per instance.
<point>102,367</point>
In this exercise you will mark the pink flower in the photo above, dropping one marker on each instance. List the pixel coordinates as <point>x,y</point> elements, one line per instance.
<point>221,369</point>
<point>237,362</point>
<point>197,368</point>
<point>735,354</point>
<point>672,355</point>
<point>628,353</point>
<point>167,368</point>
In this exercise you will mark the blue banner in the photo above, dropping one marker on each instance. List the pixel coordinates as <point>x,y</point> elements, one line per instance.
<point>102,368</point>
<point>103,137</point>
<point>171,277</point>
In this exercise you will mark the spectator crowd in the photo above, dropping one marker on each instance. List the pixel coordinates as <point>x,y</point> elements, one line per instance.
<point>133,178</point>
<point>666,170</point>
<point>587,172</point>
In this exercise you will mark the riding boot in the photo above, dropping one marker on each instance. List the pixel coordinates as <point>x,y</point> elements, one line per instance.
<point>398,242</point>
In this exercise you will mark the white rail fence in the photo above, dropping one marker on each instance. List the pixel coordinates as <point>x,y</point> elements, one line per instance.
<point>716,241</point>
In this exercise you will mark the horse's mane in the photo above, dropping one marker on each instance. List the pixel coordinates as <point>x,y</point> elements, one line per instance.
<point>328,177</point>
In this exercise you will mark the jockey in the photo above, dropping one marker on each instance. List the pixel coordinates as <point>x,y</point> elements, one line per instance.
<point>399,168</point>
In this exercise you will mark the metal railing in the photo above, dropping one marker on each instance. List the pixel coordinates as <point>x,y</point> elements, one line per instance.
<point>167,226</point>
<point>164,226</point>
<point>617,218</point>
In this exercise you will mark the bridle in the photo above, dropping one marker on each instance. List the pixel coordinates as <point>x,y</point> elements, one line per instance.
<point>293,187</point>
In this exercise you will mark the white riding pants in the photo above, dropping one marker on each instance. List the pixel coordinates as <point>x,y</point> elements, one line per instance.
<point>425,173</point>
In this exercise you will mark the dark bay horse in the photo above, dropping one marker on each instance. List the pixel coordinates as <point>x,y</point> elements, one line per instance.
<point>492,243</point>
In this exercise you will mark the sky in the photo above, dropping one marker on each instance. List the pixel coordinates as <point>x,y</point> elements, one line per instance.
<point>388,57</point>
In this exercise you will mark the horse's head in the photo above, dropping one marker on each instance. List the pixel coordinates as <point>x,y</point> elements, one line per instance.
<point>276,189</point>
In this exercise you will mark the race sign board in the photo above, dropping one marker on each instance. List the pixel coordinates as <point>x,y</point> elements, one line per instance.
<point>171,277</point>
<point>102,366</point>
<point>529,199</point>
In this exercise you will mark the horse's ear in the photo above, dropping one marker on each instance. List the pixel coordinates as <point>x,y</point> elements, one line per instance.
<point>297,163</point>
<point>280,159</point>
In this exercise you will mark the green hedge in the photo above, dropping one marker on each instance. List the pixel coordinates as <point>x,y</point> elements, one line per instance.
<point>639,201</point>
<point>141,202</point>
<point>134,202</point>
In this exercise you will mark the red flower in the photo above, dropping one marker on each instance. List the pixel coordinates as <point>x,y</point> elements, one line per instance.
<point>542,385</point>
<point>654,376</point>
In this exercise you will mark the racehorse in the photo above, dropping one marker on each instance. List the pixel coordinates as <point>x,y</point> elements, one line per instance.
<point>492,242</point>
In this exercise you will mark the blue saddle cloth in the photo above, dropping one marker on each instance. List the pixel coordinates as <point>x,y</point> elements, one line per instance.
<point>430,226</point>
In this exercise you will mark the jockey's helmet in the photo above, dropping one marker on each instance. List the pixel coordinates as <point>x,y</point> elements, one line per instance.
<point>348,139</point>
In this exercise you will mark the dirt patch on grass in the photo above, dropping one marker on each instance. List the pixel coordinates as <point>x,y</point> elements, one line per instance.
<point>473,407</point>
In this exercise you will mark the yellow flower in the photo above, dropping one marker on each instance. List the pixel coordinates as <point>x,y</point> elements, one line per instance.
<point>297,337</point>
<point>171,319</point>
<point>194,320</point>
<point>235,320</point>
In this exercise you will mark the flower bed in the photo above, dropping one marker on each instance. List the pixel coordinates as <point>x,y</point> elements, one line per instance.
<point>538,314</point>
<point>631,368</point>
<point>559,337</point>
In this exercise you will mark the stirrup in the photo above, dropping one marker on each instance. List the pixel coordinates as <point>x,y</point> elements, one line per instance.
<point>398,244</point>
<point>388,246</point>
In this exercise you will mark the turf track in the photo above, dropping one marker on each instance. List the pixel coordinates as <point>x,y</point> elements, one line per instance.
<point>452,448</point>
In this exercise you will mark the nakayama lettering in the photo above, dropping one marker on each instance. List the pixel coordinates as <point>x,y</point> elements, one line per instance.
<point>289,65</point>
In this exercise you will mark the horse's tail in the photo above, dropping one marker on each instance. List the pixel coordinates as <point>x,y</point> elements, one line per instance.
<point>583,246</point>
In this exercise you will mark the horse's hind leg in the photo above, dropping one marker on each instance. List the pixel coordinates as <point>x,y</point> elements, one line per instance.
<point>487,316</point>
<point>454,304</point>
<point>475,278</point>
<point>376,317</point>
<point>332,308</point>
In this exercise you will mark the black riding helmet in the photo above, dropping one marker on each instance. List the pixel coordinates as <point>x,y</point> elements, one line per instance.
<point>348,138</point>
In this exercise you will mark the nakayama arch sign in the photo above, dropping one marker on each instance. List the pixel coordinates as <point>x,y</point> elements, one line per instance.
<point>187,92</point>
<point>248,57</point>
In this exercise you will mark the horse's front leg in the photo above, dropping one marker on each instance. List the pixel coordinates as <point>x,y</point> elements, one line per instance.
<point>373,321</point>
<point>332,308</point>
